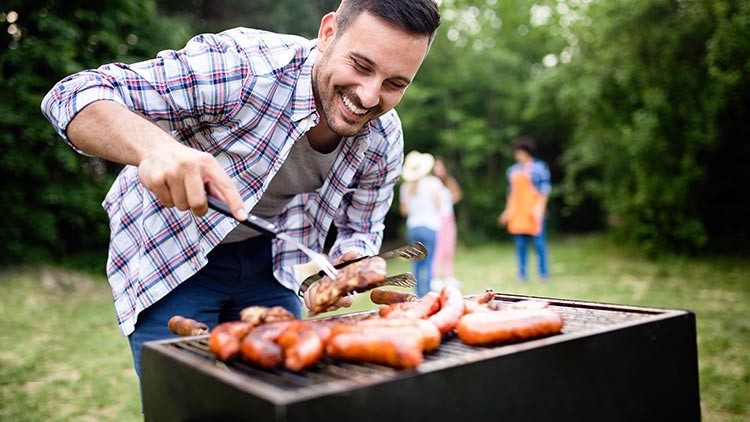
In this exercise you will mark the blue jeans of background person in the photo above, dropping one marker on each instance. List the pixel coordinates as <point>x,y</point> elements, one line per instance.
<point>540,245</point>
<point>237,275</point>
<point>423,269</point>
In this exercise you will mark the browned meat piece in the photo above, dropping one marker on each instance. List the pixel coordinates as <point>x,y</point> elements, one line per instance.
<point>359,275</point>
<point>186,327</point>
<point>302,346</point>
<point>225,339</point>
<point>451,309</point>
<point>258,315</point>
<point>493,327</point>
<point>388,297</point>
<point>426,306</point>
<point>428,334</point>
<point>396,350</point>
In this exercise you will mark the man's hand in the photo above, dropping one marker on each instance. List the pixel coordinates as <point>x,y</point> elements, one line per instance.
<point>179,176</point>
<point>345,301</point>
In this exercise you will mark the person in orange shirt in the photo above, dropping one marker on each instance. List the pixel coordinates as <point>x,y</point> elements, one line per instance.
<point>528,190</point>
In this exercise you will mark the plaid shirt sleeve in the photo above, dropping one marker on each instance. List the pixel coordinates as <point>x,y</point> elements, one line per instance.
<point>180,91</point>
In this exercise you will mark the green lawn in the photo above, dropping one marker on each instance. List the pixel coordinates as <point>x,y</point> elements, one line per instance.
<point>62,356</point>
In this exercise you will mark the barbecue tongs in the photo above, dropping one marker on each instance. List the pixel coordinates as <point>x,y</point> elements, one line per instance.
<point>269,229</point>
<point>412,252</point>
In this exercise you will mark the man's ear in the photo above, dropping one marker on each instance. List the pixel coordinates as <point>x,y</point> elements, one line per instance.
<point>327,31</point>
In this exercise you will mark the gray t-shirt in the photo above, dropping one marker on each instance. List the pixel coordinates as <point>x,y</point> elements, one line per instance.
<point>304,170</point>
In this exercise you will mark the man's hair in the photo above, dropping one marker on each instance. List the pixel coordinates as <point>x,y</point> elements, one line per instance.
<point>525,143</point>
<point>420,17</point>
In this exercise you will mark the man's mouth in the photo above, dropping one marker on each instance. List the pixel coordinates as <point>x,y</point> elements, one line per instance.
<point>351,107</point>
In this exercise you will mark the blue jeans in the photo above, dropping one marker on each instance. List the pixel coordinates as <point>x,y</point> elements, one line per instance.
<point>423,269</point>
<point>237,275</point>
<point>541,251</point>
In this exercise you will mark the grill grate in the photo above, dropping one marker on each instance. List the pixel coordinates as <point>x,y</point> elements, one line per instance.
<point>579,317</point>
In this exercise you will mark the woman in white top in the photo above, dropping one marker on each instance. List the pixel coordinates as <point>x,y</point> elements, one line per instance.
<point>420,204</point>
<point>445,248</point>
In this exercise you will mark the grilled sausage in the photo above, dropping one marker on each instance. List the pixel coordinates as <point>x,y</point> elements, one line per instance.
<point>479,303</point>
<point>387,349</point>
<point>225,339</point>
<point>259,346</point>
<point>401,306</point>
<point>388,297</point>
<point>426,306</point>
<point>493,327</point>
<point>355,276</point>
<point>186,327</point>
<point>258,315</point>
<point>451,309</point>
<point>425,331</point>
<point>302,347</point>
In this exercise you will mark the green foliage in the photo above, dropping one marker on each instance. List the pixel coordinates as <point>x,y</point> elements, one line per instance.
<point>650,94</point>
<point>51,196</point>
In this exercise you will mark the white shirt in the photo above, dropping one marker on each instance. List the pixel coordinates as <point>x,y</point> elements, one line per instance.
<point>422,208</point>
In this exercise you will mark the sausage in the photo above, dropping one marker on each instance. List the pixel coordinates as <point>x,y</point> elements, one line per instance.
<point>225,339</point>
<point>524,304</point>
<point>451,309</point>
<point>401,306</point>
<point>186,327</point>
<point>368,272</point>
<point>388,297</point>
<point>258,315</point>
<point>302,347</point>
<point>426,306</point>
<point>259,346</point>
<point>494,327</point>
<point>426,332</point>
<point>485,297</point>
<point>401,352</point>
<point>479,303</point>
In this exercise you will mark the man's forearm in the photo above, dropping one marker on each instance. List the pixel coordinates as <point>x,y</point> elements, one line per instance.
<point>109,130</point>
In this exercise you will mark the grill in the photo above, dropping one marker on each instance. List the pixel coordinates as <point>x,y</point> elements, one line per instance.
<point>611,362</point>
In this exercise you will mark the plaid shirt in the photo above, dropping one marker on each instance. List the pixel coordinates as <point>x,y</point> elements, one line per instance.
<point>244,96</point>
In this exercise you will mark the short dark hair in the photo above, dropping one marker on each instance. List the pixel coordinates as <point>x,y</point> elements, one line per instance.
<point>419,17</point>
<point>525,143</point>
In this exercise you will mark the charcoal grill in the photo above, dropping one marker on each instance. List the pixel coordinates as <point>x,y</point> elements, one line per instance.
<point>610,363</point>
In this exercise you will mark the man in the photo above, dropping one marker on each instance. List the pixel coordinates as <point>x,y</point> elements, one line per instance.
<point>528,191</point>
<point>302,132</point>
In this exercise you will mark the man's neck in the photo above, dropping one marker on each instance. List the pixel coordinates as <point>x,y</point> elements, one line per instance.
<point>323,139</point>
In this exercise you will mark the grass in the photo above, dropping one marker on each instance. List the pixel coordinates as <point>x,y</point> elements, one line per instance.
<point>62,356</point>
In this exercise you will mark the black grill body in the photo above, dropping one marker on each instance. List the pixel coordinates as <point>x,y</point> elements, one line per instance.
<point>610,363</point>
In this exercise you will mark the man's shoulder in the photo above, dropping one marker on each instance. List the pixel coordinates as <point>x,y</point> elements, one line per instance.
<point>266,51</point>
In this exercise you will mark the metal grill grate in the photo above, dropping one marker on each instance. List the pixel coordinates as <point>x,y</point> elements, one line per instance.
<point>579,317</point>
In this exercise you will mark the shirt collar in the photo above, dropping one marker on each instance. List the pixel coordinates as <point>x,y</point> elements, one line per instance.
<point>303,104</point>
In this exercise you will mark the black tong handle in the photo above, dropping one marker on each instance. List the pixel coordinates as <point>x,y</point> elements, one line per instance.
<point>254,222</point>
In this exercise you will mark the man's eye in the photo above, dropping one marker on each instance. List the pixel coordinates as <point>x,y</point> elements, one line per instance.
<point>360,66</point>
<point>398,85</point>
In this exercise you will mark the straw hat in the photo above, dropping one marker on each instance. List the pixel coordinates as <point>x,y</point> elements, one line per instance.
<point>417,165</point>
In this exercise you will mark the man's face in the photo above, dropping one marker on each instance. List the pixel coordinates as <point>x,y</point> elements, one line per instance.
<point>363,72</point>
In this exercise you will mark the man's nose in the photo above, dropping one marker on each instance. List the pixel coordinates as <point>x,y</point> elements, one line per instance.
<point>369,93</point>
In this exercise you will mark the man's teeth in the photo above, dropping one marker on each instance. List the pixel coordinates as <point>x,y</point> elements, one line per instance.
<point>354,109</point>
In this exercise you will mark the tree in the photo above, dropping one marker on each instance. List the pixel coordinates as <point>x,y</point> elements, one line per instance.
<point>51,196</point>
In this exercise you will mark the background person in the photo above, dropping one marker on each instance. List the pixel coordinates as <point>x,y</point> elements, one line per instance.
<point>445,249</point>
<point>303,132</point>
<point>529,187</point>
<point>420,204</point>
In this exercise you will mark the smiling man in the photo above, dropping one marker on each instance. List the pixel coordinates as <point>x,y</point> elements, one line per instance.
<point>302,132</point>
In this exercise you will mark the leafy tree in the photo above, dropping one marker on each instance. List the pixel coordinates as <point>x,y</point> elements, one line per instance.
<point>50,195</point>
<point>659,97</point>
